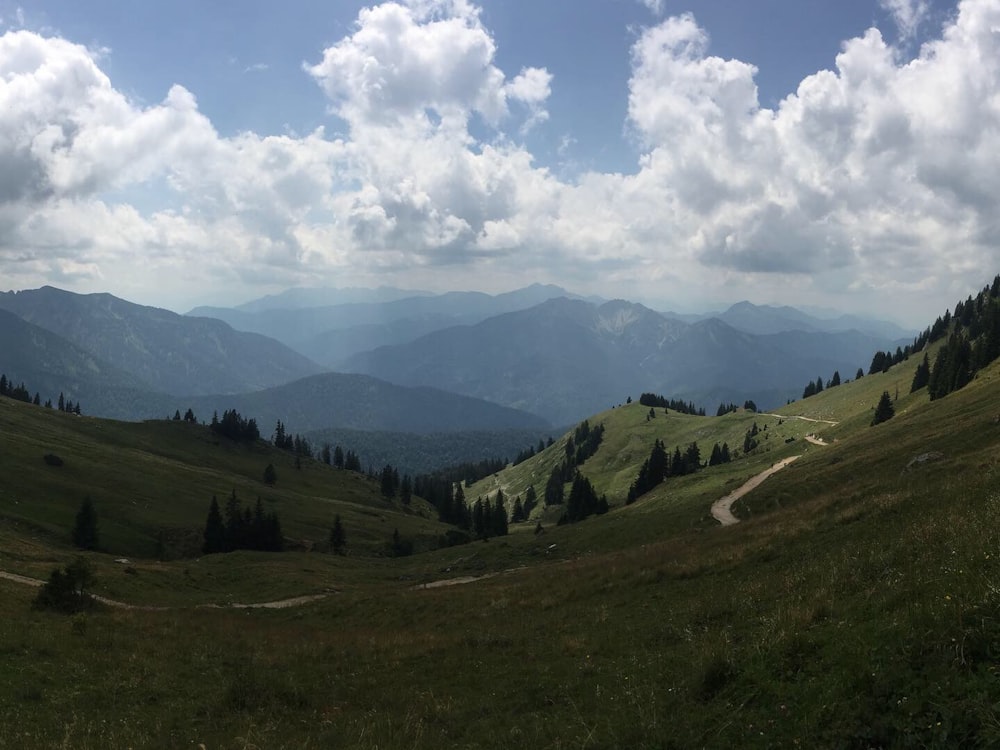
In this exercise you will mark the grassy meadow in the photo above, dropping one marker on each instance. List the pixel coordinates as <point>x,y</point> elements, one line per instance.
<point>857,606</point>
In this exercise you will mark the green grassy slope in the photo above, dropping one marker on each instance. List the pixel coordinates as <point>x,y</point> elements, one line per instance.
<point>856,607</point>
<point>155,480</point>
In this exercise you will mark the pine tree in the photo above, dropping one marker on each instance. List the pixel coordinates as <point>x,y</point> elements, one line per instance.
<point>337,537</point>
<point>85,527</point>
<point>884,411</point>
<point>922,375</point>
<point>215,530</point>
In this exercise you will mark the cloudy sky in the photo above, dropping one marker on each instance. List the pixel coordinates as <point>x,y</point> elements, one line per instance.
<point>842,154</point>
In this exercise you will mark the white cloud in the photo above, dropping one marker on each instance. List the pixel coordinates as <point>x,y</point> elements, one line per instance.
<point>655,6</point>
<point>875,177</point>
<point>907,14</point>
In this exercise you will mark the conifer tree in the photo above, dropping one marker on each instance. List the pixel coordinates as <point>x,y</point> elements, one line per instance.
<point>85,527</point>
<point>922,375</point>
<point>884,411</point>
<point>337,537</point>
<point>215,530</point>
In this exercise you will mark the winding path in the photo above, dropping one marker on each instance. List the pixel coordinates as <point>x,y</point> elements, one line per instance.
<point>295,601</point>
<point>722,508</point>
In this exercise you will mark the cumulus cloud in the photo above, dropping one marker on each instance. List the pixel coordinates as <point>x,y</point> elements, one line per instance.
<point>876,176</point>
<point>908,15</point>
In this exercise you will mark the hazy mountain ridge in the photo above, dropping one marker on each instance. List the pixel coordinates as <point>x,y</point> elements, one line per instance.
<point>170,353</point>
<point>331,333</point>
<point>565,359</point>
<point>766,319</point>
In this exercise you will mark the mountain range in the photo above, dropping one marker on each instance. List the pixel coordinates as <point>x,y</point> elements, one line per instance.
<point>167,352</point>
<point>565,359</point>
<point>530,365</point>
<point>330,333</point>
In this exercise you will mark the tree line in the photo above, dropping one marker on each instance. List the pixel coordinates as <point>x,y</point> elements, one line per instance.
<point>20,392</point>
<point>653,399</point>
<point>241,528</point>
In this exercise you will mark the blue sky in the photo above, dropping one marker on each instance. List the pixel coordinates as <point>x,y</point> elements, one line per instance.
<point>195,152</point>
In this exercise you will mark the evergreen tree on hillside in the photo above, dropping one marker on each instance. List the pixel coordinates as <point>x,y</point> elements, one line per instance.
<point>517,513</point>
<point>859,374</point>
<point>215,530</point>
<point>338,539</point>
<point>884,411</point>
<point>554,487</point>
<point>499,525</point>
<point>922,375</point>
<point>85,526</point>
<point>530,500</point>
<point>338,457</point>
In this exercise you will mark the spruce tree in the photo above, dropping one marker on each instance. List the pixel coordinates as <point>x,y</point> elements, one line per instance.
<point>85,527</point>
<point>922,375</point>
<point>215,530</point>
<point>337,537</point>
<point>884,411</point>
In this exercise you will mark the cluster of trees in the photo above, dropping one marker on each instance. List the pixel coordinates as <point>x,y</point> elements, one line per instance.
<point>580,446</point>
<point>720,455</point>
<point>817,387</point>
<point>188,416</point>
<point>390,484</point>
<point>652,399</point>
<point>241,528</point>
<point>661,465</point>
<point>725,408</point>
<point>584,442</point>
<point>531,451</point>
<point>583,501</point>
<point>295,444</point>
<point>489,519</point>
<point>20,392</point>
<point>337,457</point>
<point>66,589</point>
<point>750,440</point>
<point>234,426</point>
<point>974,342</point>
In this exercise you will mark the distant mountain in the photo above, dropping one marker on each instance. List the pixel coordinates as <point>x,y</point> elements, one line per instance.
<point>565,359</point>
<point>561,359</point>
<point>300,297</point>
<point>332,333</point>
<point>764,319</point>
<point>360,402</point>
<point>49,365</point>
<point>169,353</point>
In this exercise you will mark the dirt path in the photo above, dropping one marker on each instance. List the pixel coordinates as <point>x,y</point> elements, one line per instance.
<point>461,580</point>
<point>804,419</point>
<point>815,440</point>
<point>722,508</point>
<point>21,579</point>
<point>295,601</point>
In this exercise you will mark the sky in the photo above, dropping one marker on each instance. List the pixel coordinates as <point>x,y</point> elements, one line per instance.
<point>687,155</point>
